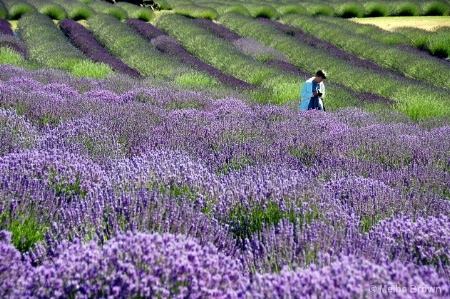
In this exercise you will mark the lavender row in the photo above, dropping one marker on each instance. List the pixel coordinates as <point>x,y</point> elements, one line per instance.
<point>407,63</point>
<point>48,46</point>
<point>174,266</point>
<point>403,91</point>
<point>86,43</point>
<point>171,47</point>
<point>275,58</point>
<point>122,41</point>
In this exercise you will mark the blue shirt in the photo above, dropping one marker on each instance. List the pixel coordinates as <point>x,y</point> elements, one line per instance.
<point>307,96</point>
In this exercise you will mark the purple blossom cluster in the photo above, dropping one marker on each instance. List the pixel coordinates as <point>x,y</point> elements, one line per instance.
<point>5,28</point>
<point>151,191</point>
<point>86,43</point>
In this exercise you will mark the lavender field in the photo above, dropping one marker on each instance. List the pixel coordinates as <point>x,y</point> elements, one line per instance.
<point>162,154</point>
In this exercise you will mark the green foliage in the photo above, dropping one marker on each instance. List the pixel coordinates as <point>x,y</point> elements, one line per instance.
<point>90,69</point>
<point>418,37</point>
<point>436,8</point>
<point>3,11</point>
<point>196,11</point>
<point>350,10</point>
<point>290,9</point>
<point>54,11</point>
<point>405,9</point>
<point>262,11</point>
<point>439,43</point>
<point>245,221</point>
<point>320,9</point>
<point>18,10</point>
<point>376,9</point>
<point>9,56</point>
<point>26,230</point>
<point>238,9</point>
<point>136,12</point>
<point>110,9</point>
<point>80,13</point>
<point>76,10</point>
<point>195,79</point>
<point>163,5</point>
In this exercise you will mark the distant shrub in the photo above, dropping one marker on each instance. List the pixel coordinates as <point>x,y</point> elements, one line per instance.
<point>196,11</point>
<point>435,8</point>
<point>90,69</point>
<point>163,5</point>
<point>118,13</point>
<point>291,9</point>
<point>405,9</point>
<point>320,9</point>
<point>136,12</point>
<point>54,11</point>
<point>265,11</point>
<point>375,9</point>
<point>238,9</point>
<point>18,10</point>
<point>350,10</point>
<point>110,9</point>
<point>81,13</point>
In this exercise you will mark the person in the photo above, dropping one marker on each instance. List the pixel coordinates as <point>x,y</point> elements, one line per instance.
<point>313,91</point>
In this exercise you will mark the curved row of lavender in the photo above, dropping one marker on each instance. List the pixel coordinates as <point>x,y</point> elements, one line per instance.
<point>86,43</point>
<point>167,45</point>
<point>111,188</point>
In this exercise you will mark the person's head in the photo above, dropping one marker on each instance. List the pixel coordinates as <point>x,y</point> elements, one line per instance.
<point>320,76</point>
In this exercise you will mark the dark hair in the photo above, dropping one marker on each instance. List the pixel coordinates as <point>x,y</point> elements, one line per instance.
<point>321,73</point>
